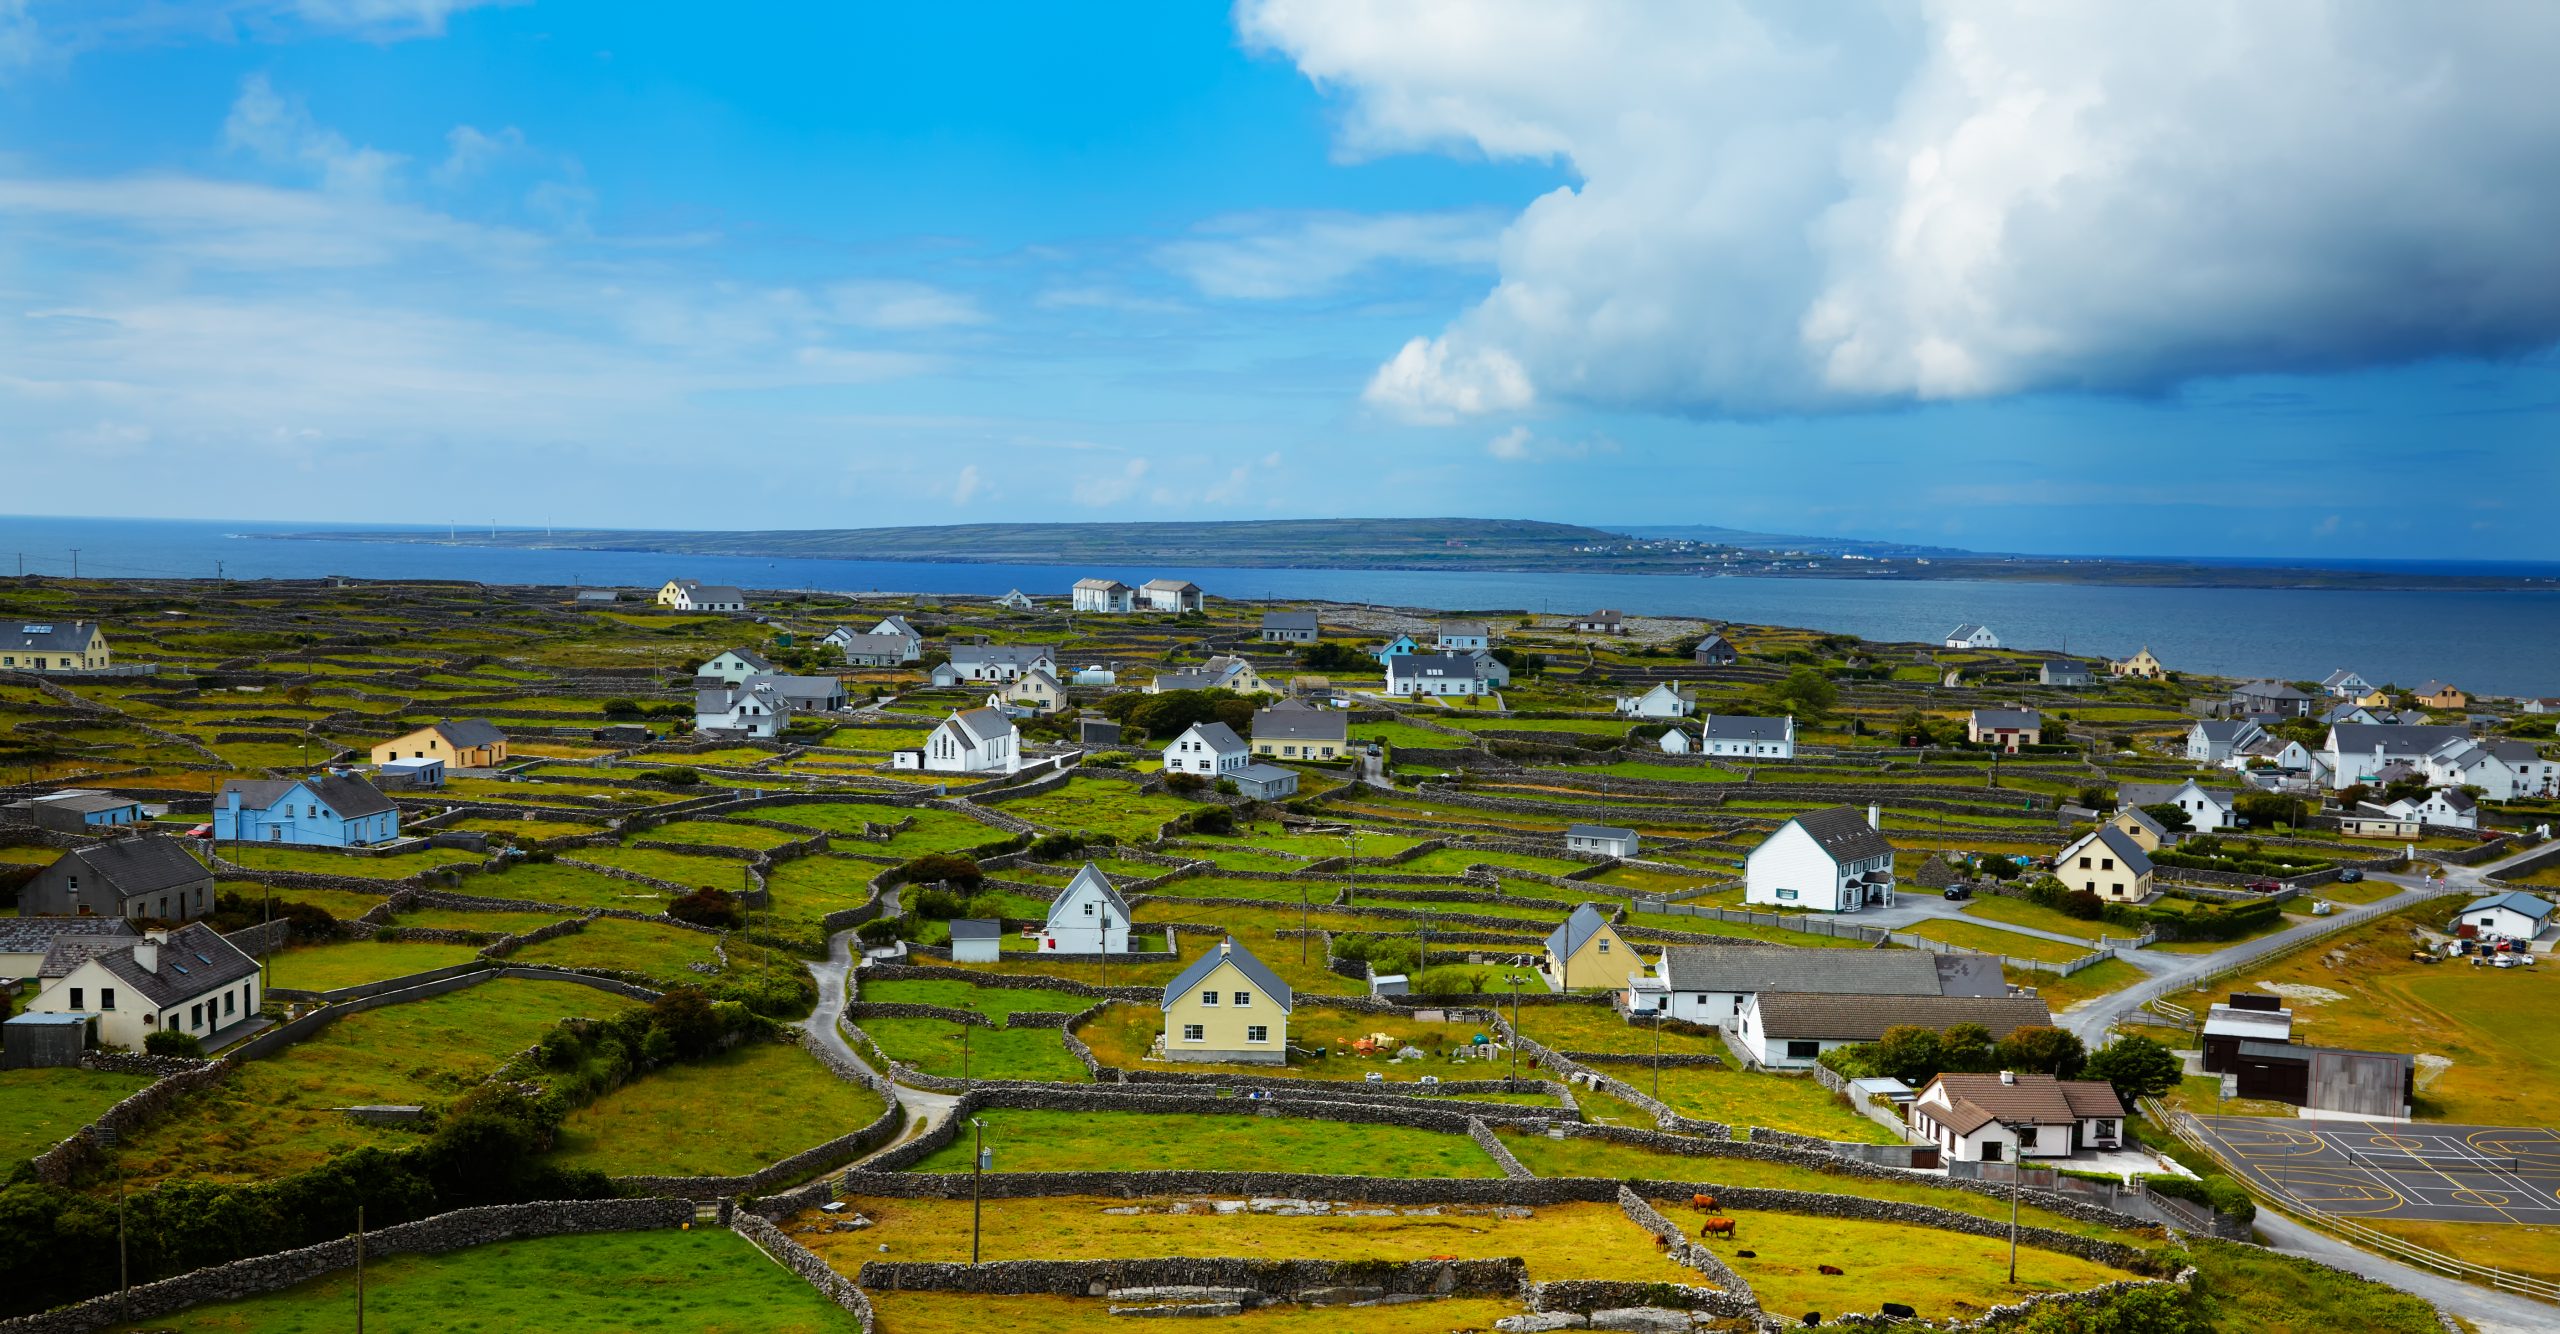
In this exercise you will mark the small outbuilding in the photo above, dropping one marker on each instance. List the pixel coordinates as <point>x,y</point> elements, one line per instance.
<point>976,939</point>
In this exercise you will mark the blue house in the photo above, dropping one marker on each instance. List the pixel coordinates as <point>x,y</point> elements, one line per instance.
<point>1398,647</point>
<point>80,811</point>
<point>326,811</point>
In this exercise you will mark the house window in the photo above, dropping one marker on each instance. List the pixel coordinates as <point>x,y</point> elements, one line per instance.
<point>230,1002</point>
<point>106,999</point>
<point>1787,894</point>
<point>2026,1137</point>
<point>2084,863</point>
<point>1193,1033</point>
<point>1604,947</point>
<point>75,999</point>
<point>2106,863</point>
<point>1257,1033</point>
<point>1088,910</point>
<point>1209,997</point>
<point>1244,999</point>
<point>1803,1051</point>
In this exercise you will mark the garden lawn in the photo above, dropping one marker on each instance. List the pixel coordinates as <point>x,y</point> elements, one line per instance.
<point>652,950</point>
<point>1744,1098</point>
<point>272,857</point>
<point>463,919</point>
<point>934,1046</point>
<point>716,834</point>
<point>1124,1031</point>
<point>674,867</point>
<point>2269,1292</point>
<point>525,831</point>
<point>746,1108</point>
<point>1993,940</point>
<point>995,1002</point>
<point>350,963</point>
<point>806,889</point>
<point>41,1107</point>
<point>1598,1028</point>
<point>278,1114</point>
<point>706,1281</point>
<point>1577,1240</point>
<point>2019,912</point>
<point>1038,1141</point>
<point>2061,993</point>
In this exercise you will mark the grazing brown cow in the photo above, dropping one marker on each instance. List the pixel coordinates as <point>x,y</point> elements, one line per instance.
<point>1702,1203</point>
<point>1833,1270</point>
<point>1661,1241</point>
<point>1718,1227</point>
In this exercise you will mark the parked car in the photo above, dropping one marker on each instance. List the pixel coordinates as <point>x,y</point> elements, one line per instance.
<point>2349,876</point>
<point>2263,886</point>
<point>1959,891</point>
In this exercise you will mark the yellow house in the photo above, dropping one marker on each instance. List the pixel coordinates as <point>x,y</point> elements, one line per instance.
<point>53,646</point>
<point>461,743</point>
<point>2142,829</point>
<point>1586,952</point>
<point>673,594</point>
<point>2438,695</point>
<point>2141,666</point>
<point>2373,699</point>
<point>1037,689</point>
<point>2106,862</point>
<point>1228,1008</point>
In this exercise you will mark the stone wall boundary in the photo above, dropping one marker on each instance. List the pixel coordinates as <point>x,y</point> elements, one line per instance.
<point>782,1250</point>
<point>433,1235</point>
<point>1495,1149</point>
<point>1275,1278</point>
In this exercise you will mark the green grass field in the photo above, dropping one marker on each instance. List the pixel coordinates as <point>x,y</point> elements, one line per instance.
<point>1036,1141</point>
<point>717,834</point>
<point>569,886</point>
<point>1096,805</point>
<point>995,1002</point>
<point>1743,1098</point>
<point>272,857</point>
<point>1598,1028</point>
<point>935,1047</point>
<point>349,963</point>
<point>278,1114</point>
<point>2019,912</point>
<point>39,1107</point>
<point>674,867</point>
<point>661,952</point>
<point>748,1107</point>
<point>1993,940</point>
<point>707,1281</point>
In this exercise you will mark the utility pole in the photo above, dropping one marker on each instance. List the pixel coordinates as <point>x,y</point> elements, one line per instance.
<point>1514,979</point>
<point>359,1269</point>
<point>2017,1176</point>
<point>124,1277</point>
<point>976,1173</point>
<point>75,562</point>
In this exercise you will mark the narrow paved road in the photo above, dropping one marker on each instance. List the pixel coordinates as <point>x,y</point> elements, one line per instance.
<point>924,1107</point>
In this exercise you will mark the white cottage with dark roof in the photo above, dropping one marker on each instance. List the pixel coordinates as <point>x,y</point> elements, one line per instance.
<point>189,980</point>
<point>1826,861</point>
<point>970,741</point>
<point>1087,917</point>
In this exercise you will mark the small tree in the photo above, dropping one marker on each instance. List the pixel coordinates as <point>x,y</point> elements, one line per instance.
<point>1909,1053</point>
<point>708,906</point>
<point>1965,1049</point>
<point>938,868</point>
<point>2137,1066</point>
<point>2168,814</point>
<point>2084,904</point>
<point>2042,1050</point>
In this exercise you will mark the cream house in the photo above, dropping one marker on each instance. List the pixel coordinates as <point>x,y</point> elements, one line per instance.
<point>462,743</point>
<point>1228,1008</point>
<point>1586,952</point>
<point>188,979</point>
<point>54,646</point>
<point>2140,667</point>
<point>2108,863</point>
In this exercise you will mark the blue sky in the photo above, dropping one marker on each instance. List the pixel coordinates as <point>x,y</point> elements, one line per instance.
<point>2168,279</point>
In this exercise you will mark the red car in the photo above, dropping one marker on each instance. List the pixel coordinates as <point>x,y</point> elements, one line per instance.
<point>2264,886</point>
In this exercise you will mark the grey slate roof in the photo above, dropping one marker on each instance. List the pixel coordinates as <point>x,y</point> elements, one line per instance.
<point>751,658</point>
<point>2514,900</point>
<point>1218,737</point>
<point>348,797</point>
<point>2121,845</point>
<point>2223,731</point>
<point>1018,655</point>
<point>2153,794</point>
<point>879,645</point>
<point>1453,666</point>
<point>2270,690</point>
<point>1840,1018</point>
<point>1229,951</point>
<point>1171,586</point>
<point>1102,585</point>
<point>1794,968</point>
<point>1736,727</point>
<point>2395,738</point>
<point>976,928</point>
<point>1090,876</point>
<point>86,802</point>
<point>976,725</point>
<point>1465,630</point>
<point>194,960</point>
<point>1301,723</point>
<point>1585,922</point>
<point>1965,631</point>
<point>1844,834</point>
<point>144,865</point>
<point>1289,620</point>
<point>2007,718</point>
<point>49,636</point>
<point>468,732</point>
<point>1598,831</point>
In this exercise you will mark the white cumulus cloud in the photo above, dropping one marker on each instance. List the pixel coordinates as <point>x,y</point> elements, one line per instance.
<point>1782,207</point>
<point>1269,257</point>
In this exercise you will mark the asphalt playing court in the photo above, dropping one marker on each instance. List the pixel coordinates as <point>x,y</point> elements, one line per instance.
<point>2398,1169</point>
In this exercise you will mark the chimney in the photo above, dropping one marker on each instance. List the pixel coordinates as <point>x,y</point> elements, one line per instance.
<point>1875,817</point>
<point>146,951</point>
<point>2008,1076</point>
<point>1226,947</point>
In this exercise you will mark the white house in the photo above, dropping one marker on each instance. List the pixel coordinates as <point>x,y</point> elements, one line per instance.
<point>694,595</point>
<point>994,662</point>
<point>1969,635</point>
<point>2449,807</point>
<point>977,940</point>
<point>1212,750</point>
<point>1087,917</point>
<point>755,709</point>
<point>2358,753</point>
<point>1176,595</point>
<point>1600,840</point>
<point>970,741</point>
<point>808,694</point>
<point>1225,671</point>
<point>1606,621</point>
<point>188,979</point>
<point>1741,735</point>
<point>2502,770</point>
<point>2220,741</point>
<point>1788,1030</point>
<point>874,650</point>
<point>2208,809</point>
<point>2514,914</point>
<point>2011,1116</point>
<point>2345,684</point>
<point>1665,700</point>
<point>1827,861</point>
<point>1463,637</point>
<point>1708,984</point>
<point>1676,742</point>
<point>734,666</point>
<point>1015,599</point>
<point>1109,596</point>
<point>1410,674</point>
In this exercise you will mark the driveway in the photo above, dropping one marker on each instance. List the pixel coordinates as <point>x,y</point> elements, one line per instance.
<point>924,1107</point>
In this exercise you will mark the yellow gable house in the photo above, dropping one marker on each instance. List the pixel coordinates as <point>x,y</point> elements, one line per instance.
<point>2140,667</point>
<point>1586,952</point>
<point>1228,1008</point>
<point>461,743</point>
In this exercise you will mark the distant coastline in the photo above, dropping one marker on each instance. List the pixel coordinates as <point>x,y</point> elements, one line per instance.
<point>1459,545</point>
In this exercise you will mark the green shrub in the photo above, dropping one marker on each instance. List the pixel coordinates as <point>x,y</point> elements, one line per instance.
<point>171,1042</point>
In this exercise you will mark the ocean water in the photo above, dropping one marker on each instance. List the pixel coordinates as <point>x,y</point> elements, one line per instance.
<point>2505,643</point>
